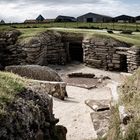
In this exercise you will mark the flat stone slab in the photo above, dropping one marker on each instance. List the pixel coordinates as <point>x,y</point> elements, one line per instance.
<point>82,86</point>
<point>82,75</point>
<point>101,121</point>
<point>97,106</point>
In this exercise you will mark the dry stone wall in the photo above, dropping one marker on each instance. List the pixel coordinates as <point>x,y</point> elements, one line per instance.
<point>133,58</point>
<point>43,49</point>
<point>50,47</point>
<point>104,53</point>
<point>8,50</point>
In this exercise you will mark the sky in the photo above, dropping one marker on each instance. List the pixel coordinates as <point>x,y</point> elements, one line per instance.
<point>20,10</point>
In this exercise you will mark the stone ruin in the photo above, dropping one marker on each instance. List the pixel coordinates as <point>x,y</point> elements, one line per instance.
<point>53,47</point>
<point>110,54</point>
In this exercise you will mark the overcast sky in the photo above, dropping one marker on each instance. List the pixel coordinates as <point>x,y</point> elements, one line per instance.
<point>19,10</point>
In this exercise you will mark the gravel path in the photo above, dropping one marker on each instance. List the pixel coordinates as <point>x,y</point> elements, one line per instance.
<point>73,113</point>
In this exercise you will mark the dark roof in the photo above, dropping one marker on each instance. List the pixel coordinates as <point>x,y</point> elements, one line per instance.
<point>40,18</point>
<point>124,17</point>
<point>92,14</point>
<point>66,18</point>
<point>137,18</point>
<point>2,21</point>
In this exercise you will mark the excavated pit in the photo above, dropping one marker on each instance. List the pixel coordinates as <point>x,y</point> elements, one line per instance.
<point>61,48</point>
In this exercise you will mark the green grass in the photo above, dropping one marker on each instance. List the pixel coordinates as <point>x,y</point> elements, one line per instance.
<point>10,85</point>
<point>113,26</point>
<point>30,30</point>
<point>130,98</point>
<point>27,34</point>
<point>130,39</point>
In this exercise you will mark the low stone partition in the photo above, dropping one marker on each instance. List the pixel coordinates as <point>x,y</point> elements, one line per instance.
<point>133,58</point>
<point>56,89</point>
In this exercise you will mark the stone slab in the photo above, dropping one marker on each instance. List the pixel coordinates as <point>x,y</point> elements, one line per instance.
<point>98,105</point>
<point>101,121</point>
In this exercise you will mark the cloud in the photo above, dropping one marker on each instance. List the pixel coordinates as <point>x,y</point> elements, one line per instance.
<point>19,10</point>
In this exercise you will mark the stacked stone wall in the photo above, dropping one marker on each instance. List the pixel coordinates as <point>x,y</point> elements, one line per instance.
<point>45,49</point>
<point>105,54</point>
<point>8,51</point>
<point>133,59</point>
<point>50,48</point>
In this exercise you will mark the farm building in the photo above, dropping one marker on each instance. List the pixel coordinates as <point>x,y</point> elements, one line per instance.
<point>30,21</point>
<point>65,19</point>
<point>48,20</point>
<point>92,17</point>
<point>137,19</point>
<point>40,18</point>
<point>124,19</point>
<point>2,22</point>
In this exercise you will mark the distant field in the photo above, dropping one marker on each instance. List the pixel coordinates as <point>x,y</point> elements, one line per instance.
<point>30,30</point>
<point>110,26</point>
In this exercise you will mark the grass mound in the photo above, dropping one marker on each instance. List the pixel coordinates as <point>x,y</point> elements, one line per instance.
<point>26,114</point>
<point>35,72</point>
<point>10,85</point>
<point>130,98</point>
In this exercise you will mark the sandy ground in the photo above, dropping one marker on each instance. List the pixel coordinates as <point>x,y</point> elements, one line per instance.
<point>73,113</point>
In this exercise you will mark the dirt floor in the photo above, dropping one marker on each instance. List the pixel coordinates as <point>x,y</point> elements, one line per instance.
<point>73,113</point>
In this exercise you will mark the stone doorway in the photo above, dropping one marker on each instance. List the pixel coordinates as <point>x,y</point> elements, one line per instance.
<point>75,52</point>
<point>123,63</point>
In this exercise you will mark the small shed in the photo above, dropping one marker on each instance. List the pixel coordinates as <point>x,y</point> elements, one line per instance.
<point>30,21</point>
<point>124,19</point>
<point>65,19</point>
<point>92,17</point>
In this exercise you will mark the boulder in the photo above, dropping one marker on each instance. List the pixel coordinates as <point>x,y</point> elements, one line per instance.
<point>35,72</point>
<point>56,89</point>
<point>98,106</point>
